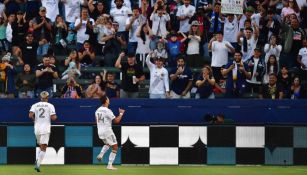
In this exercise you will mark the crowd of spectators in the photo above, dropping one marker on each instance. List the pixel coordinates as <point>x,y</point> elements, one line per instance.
<point>189,47</point>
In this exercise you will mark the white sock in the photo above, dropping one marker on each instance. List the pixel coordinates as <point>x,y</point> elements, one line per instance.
<point>112,158</point>
<point>104,149</point>
<point>41,156</point>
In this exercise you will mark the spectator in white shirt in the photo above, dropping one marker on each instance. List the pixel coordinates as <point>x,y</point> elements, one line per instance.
<point>159,82</point>
<point>120,14</point>
<point>72,9</point>
<point>53,8</point>
<point>302,59</point>
<point>248,41</point>
<point>272,48</point>
<point>81,24</point>
<point>184,13</point>
<point>132,25</point>
<point>193,56</point>
<point>144,35</point>
<point>220,49</point>
<point>231,29</point>
<point>159,18</point>
<point>126,3</point>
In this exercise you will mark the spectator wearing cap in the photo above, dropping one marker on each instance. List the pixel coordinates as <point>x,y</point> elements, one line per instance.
<point>53,8</point>
<point>257,68</point>
<point>45,73</point>
<point>272,90</point>
<point>220,49</point>
<point>7,71</point>
<point>42,31</point>
<point>29,51</point>
<point>159,82</point>
<point>159,18</point>
<point>96,10</point>
<point>248,41</point>
<point>205,83</point>
<point>20,28</point>
<point>120,14</point>
<point>193,47</point>
<point>173,48</point>
<point>181,80</point>
<point>72,10</point>
<point>132,25</point>
<point>184,13</point>
<point>83,25</point>
<point>216,19</point>
<point>25,82</point>
<point>114,44</point>
<point>237,72</point>
<point>132,75</point>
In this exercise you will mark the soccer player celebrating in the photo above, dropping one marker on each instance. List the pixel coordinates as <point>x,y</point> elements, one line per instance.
<point>104,117</point>
<point>41,113</point>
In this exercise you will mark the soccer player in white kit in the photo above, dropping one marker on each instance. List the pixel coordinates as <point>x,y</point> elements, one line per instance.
<point>42,113</point>
<point>104,117</point>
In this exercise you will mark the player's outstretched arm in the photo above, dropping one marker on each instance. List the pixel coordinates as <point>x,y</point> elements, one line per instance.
<point>119,117</point>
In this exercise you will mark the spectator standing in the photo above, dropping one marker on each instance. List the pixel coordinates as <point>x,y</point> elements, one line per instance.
<point>72,9</point>
<point>53,8</point>
<point>159,82</point>
<point>205,84</point>
<point>144,35</point>
<point>20,28</point>
<point>193,46</point>
<point>25,83</point>
<point>184,13</point>
<point>45,73</point>
<point>132,75</point>
<point>220,49</point>
<point>272,48</point>
<point>96,10</point>
<point>60,31</point>
<point>248,41</point>
<point>237,73</point>
<point>42,31</point>
<point>87,55</point>
<point>29,51</point>
<point>181,78</point>
<point>231,29</point>
<point>271,67</point>
<point>159,18</point>
<point>7,77</point>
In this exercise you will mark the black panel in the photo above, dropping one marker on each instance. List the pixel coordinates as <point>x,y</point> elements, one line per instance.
<point>57,137</point>
<point>250,156</point>
<point>134,155</point>
<point>195,155</point>
<point>300,156</point>
<point>3,136</point>
<point>278,137</point>
<point>221,136</point>
<point>78,156</point>
<point>17,155</point>
<point>164,137</point>
<point>98,142</point>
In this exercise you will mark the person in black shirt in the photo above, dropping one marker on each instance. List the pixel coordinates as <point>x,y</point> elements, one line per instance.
<point>271,90</point>
<point>45,73</point>
<point>20,28</point>
<point>132,75</point>
<point>29,51</point>
<point>111,87</point>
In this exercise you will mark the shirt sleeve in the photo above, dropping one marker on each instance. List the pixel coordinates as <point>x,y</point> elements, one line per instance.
<point>32,109</point>
<point>111,115</point>
<point>52,110</point>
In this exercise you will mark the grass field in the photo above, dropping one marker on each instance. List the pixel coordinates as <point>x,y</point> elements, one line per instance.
<point>153,170</point>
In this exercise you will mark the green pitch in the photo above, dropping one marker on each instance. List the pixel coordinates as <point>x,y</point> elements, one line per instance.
<point>153,170</point>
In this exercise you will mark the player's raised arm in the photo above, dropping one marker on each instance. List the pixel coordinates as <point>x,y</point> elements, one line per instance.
<point>119,117</point>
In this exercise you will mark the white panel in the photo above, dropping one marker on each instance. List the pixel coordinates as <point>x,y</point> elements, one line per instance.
<point>51,156</point>
<point>163,156</point>
<point>139,135</point>
<point>188,135</point>
<point>250,137</point>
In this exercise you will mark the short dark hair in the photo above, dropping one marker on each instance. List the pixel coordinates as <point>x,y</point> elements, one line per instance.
<point>46,56</point>
<point>103,99</point>
<point>249,28</point>
<point>239,52</point>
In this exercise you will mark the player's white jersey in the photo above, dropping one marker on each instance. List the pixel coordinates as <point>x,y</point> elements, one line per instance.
<point>104,117</point>
<point>42,111</point>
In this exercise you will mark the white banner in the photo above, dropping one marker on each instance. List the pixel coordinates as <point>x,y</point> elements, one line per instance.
<point>232,6</point>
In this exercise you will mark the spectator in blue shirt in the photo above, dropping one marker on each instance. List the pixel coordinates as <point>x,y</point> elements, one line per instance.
<point>173,48</point>
<point>205,84</point>
<point>236,72</point>
<point>181,78</point>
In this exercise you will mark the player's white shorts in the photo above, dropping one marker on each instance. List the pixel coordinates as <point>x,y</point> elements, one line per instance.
<point>109,140</point>
<point>42,139</point>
